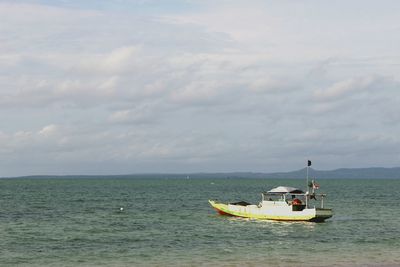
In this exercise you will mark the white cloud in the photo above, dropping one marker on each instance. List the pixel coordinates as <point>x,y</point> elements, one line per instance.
<point>344,88</point>
<point>199,92</point>
<point>48,130</point>
<point>146,113</point>
<point>119,60</point>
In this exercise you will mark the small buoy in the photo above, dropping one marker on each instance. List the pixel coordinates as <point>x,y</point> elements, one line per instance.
<point>121,209</point>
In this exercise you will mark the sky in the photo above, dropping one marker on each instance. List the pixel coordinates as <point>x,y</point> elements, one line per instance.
<point>181,86</point>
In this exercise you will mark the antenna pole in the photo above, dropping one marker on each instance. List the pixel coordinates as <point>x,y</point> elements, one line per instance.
<point>307,179</point>
<point>307,187</point>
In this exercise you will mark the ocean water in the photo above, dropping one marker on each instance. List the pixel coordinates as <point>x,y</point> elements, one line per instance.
<point>168,222</point>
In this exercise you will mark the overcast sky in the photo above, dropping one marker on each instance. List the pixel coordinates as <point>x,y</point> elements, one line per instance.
<point>133,86</point>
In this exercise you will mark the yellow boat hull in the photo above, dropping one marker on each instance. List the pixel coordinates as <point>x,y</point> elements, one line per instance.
<point>279,213</point>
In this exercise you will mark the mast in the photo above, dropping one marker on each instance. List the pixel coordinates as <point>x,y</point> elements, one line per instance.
<point>307,186</point>
<point>308,165</point>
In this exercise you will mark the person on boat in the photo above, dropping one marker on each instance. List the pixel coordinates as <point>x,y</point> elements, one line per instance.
<point>296,201</point>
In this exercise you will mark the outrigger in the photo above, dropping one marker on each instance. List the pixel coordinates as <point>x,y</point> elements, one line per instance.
<point>282,203</point>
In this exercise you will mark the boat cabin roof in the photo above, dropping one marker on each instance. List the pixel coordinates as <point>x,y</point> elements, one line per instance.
<point>285,190</point>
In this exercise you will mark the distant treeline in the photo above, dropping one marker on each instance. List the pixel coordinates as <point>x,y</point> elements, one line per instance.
<point>353,173</point>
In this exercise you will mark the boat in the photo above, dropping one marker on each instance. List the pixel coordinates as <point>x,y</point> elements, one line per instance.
<point>282,203</point>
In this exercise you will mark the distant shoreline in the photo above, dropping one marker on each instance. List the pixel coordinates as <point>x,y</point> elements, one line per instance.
<point>348,173</point>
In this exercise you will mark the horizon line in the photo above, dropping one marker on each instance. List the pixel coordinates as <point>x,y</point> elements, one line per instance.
<point>187,173</point>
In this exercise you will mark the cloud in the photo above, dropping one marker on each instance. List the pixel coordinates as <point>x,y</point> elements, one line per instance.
<point>48,130</point>
<point>119,60</point>
<point>146,113</point>
<point>200,92</point>
<point>350,86</point>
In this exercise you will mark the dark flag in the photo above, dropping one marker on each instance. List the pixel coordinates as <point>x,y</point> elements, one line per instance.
<point>309,163</point>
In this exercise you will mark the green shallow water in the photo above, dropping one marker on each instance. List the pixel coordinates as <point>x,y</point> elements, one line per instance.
<point>168,222</point>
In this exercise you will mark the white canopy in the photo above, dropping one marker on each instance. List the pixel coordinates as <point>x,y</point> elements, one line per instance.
<point>285,189</point>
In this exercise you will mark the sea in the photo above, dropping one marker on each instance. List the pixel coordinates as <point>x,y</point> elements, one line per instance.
<point>167,221</point>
